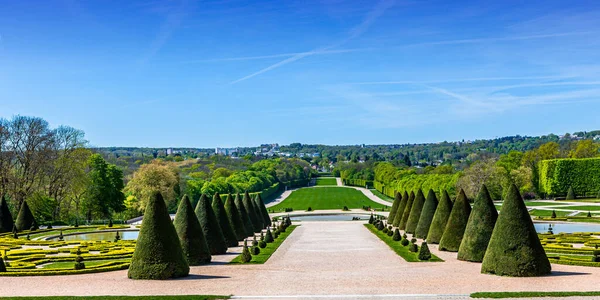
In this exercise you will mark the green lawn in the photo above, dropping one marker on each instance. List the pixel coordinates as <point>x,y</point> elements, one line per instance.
<point>537,203</point>
<point>584,208</point>
<point>547,213</point>
<point>325,198</point>
<point>382,196</point>
<point>181,297</point>
<point>398,248</point>
<point>266,253</point>
<point>70,264</point>
<point>326,181</point>
<point>531,294</point>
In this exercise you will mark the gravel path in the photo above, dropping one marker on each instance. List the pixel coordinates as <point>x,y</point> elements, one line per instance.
<point>323,259</point>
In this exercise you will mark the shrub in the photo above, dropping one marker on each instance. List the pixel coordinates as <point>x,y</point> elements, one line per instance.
<point>395,205</point>
<point>262,244</point>
<point>400,210</point>
<point>404,242</point>
<point>6,219</point>
<point>413,240</point>
<point>427,214</point>
<point>390,233</point>
<point>2,266</point>
<point>210,226</point>
<point>263,209</point>
<point>598,196</point>
<point>110,223</point>
<point>558,175</point>
<point>244,215</point>
<point>233,214</point>
<point>79,264</point>
<point>246,256</point>
<point>385,230</point>
<point>345,208</point>
<point>570,194</point>
<point>255,250</point>
<point>371,220</point>
<point>413,247</point>
<point>406,213</point>
<point>594,259</point>
<point>257,225</point>
<point>118,238</point>
<point>268,236</point>
<point>380,226</point>
<point>515,249</point>
<point>457,223</point>
<point>553,216</point>
<point>219,210</point>
<point>415,212</point>
<point>258,212</point>
<point>396,237</point>
<point>424,253</point>
<point>190,233</point>
<point>589,215</point>
<point>309,209</point>
<point>25,218</point>
<point>158,253</point>
<point>479,228</point>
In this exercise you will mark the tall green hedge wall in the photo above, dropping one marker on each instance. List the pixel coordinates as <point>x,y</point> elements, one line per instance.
<point>557,175</point>
<point>389,179</point>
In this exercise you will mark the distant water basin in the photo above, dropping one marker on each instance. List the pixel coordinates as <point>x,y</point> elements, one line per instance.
<point>101,236</point>
<point>566,228</point>
<point>331,217</point>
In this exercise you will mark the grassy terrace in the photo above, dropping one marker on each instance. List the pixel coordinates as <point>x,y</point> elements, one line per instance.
<point>266,253</point>
<point>382,196</point>
<point>325,198</point>
<point>532,294</point>
<point>326,181</point>
<point>398,248</point>
<point>181,297</point>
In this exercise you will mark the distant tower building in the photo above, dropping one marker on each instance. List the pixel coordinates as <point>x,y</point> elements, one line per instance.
<point>169,151</point>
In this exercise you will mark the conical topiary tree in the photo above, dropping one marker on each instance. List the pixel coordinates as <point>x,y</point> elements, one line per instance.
<point>479,228</point>
<point>415,212</point>
<point>256,222</point>
<point>190,233</point>
<point>424,253</point>
<point>457,222</point>
<point>226,229</point>
<point>263,210</point>
<point>406,213</point>
<point>553,215</point>
<point>258,212</point>
<point>6,219</point>
<point>2,265</point>
<point>233,214</point>
<point>210,226</point>
<point>515,249</point>
<point>158,253</point>
<point>570,194</point>
<point>25,218</point>
<point>401,208</point>
<point>427,214</point>
<point>394,209</point>
<point>239,203</point>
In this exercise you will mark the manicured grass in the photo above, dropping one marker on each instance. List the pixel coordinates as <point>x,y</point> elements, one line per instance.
<point>325,198</point>
<point>531,294</point>
<point>398,248</point>
<point>181,297</point>
<point>70,264</point>
<point>266,253</point>
<point>326,181</point>
<point>537,203</point>
<point>382,196</point>
<point>548,213</point>
<point>584,208</point>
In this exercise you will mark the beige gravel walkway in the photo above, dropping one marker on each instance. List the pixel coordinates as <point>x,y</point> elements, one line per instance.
<point>319,258</point>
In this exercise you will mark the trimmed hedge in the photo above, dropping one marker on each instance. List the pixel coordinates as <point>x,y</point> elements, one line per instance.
<point>244,215</point>
<point>415,212</point>
<point>233,214</point>
<point>257,225</point>
<point>263,209</point>
<point>558,175</point>
<point>440,218</point>
<point>221,214</point>
<point>407,208</point>
<point>25,218</point>
<point>427,214</point>
<point>191,236</point>
<point>400,211</point>
<point>50,272</point>
<point>394,209</point>
<point>515,248</point>
<point>457,223</point>
<point>6,219</point>
<point>158,253</point>
<point>210,226</point>
<point>479,228</point>
<point>358,182</point>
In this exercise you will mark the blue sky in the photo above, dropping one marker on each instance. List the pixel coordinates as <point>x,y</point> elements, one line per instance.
<point>241,73</point>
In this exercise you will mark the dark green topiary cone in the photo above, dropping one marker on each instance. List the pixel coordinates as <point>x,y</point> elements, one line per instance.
<point>210,226</point>
<point>400,211</point>
<point>233,214</point>
<point>2,265</point>
<point>244,215</point>
<point>479,228</point>
<point>158,253</point>
<point>406,213</point>
<point>248,205</point>
<point>515,249</point>
<point>258,212</point>
<point>415,212</point>
<point>394,209</point>
<point>426,215</point>
<point>457,222</point>
<point>6,219</point>
<point>570,194</point>
<point>190,234</point>
<point>226,229</point>
<point>263,210</point>
<point>25,218</point>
